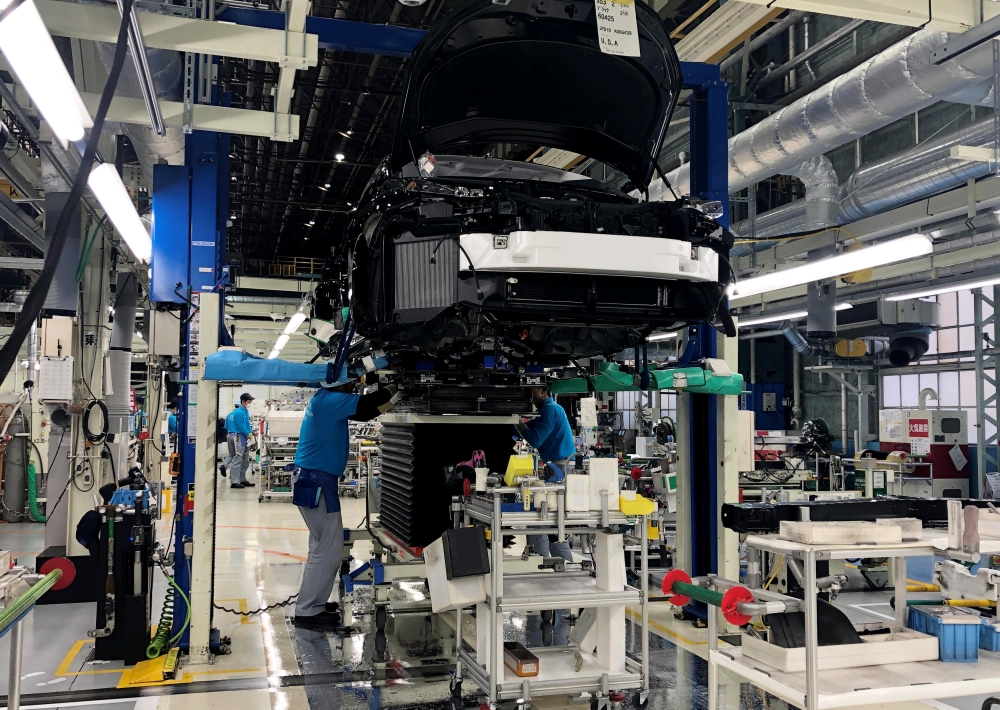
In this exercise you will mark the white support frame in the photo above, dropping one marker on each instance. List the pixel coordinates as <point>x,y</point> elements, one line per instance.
<point>204,117</point>
<point>292,49</point>
<point>203,523</point>
<point>945,15</point>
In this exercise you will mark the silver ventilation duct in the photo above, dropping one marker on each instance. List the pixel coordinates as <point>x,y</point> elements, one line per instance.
<point>887,87</point>
<point>915,174</point>
<point>167,70</point>
<point>120,362</point>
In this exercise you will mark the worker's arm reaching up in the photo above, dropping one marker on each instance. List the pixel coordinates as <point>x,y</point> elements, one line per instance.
<point>538,430</point>
<point>376,403</point>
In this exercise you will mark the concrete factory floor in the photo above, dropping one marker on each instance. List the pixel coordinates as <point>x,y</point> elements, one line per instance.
<point>260,551</point>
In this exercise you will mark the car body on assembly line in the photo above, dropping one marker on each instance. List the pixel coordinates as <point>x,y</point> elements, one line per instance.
<point>454,255</point>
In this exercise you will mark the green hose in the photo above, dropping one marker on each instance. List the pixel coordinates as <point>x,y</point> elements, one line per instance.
<point>33,512</point>
<point>162,638</point>
<point>88,245</point>
<point>699,594</point>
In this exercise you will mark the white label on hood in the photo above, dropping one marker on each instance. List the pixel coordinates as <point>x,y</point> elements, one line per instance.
<point>617,30</point>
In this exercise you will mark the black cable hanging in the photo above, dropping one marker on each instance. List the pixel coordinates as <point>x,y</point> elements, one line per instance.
<point>36,297</point>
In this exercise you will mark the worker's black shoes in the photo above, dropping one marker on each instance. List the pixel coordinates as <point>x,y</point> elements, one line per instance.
<point>322,620</point>
<point>236,485</point>
<point>248,484</point>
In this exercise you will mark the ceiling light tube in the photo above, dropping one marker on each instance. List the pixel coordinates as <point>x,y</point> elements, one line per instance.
<point>661,336</point>
<point>110,191</point>
<point>791,315</point>
<point>294,322</point>
<point>272,355</point>
<point>280,343</point>
<point>890,252</point>
<point>31,53</point>
<point>950,288</point>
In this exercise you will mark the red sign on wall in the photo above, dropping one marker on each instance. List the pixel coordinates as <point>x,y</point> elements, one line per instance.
<point>920,428</point>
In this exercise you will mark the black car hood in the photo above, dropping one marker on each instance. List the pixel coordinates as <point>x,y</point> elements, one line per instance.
<point>531,71</point>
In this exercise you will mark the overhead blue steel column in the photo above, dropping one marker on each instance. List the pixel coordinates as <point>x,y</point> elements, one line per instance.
<point>709,102</point>
<point>190,214</point>
<point>709,181</point>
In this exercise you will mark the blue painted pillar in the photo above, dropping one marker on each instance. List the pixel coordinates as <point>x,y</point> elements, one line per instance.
<point>709,181</point>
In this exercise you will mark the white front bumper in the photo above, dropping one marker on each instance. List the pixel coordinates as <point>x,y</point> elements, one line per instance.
<point>590,254</point>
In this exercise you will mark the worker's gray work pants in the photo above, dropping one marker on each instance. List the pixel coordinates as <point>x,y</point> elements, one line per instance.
<point>541,544</point>
<point>326,553</point>
<point>241,458</point>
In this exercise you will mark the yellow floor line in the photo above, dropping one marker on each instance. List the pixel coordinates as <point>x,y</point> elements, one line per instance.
<point>126,679</point>
<point>664,629</point>
<point>244,607</point>
<point>67,661</point>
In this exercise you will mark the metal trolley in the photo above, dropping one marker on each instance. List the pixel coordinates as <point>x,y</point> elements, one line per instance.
<point>607,672</point>
<point>279,439</point>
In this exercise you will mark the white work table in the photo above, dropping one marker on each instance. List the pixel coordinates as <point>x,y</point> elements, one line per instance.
<point>817,689</point>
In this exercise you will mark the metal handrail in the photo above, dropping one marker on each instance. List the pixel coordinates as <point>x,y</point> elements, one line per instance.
<point>15,610</point>
<point>10,618</point>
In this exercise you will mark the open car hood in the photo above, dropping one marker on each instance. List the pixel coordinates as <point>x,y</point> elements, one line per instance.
<point>532,72</point>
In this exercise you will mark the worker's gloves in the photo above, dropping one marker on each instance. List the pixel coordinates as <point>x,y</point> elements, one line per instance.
<point>520,426</point>
<point>396,396</point>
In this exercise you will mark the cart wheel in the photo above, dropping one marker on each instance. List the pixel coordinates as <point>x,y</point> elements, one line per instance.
<point>380,616</point>
<point>457,704</point>
<point>547,615</point>
<point>640,700</point>
<point>455,685</point>
<point>380,646</point>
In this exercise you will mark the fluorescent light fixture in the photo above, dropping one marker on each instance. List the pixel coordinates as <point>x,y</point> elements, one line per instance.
<point>28,47</point>
<point>890,252</point>
<point>338,157</point>
<point>791,315</point>
<point>950,288</point>
<point>776,318</point>
<point>110,191</point>
<point>661,336</point>
<point>294,322</point>
<point>281,342</point>
<point>273,355</point>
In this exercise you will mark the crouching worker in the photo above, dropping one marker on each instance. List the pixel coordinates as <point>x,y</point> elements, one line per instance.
<point>320,460</point>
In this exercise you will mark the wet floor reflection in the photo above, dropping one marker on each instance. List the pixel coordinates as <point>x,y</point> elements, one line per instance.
<point>409,666</point>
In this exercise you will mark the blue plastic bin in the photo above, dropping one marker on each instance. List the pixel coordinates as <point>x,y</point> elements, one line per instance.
<point>957,633</point>
<point>989,635</point>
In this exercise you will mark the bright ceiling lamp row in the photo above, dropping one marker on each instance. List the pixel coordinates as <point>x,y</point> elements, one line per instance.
<point>32,55</point>
<point>293,325</point>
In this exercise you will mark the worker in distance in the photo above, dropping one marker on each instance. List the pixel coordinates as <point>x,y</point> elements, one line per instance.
<point>551,435</point>
<point>238,431</point>
<point>320,461</point>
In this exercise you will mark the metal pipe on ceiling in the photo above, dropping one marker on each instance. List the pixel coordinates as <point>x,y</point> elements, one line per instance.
<point>890,86</point>
<point>763,38</point>
<point>914,174</point>
<point>805,55</point>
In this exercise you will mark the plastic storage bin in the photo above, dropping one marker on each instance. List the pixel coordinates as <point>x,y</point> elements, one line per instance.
<point>957,631</point>
<point>989,634</point>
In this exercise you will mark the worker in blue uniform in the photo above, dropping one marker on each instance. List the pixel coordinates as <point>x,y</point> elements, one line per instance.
<point>320,461</point>
<point>172,407</point>
<point>551,435</point>
<point>238,431</point>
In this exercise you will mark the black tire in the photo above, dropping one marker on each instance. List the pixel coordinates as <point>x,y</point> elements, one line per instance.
<point>548,615</point>
<point>457,703</point>
<point>456,688</point>
<point>640,704</point>
<point>380,618</point>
